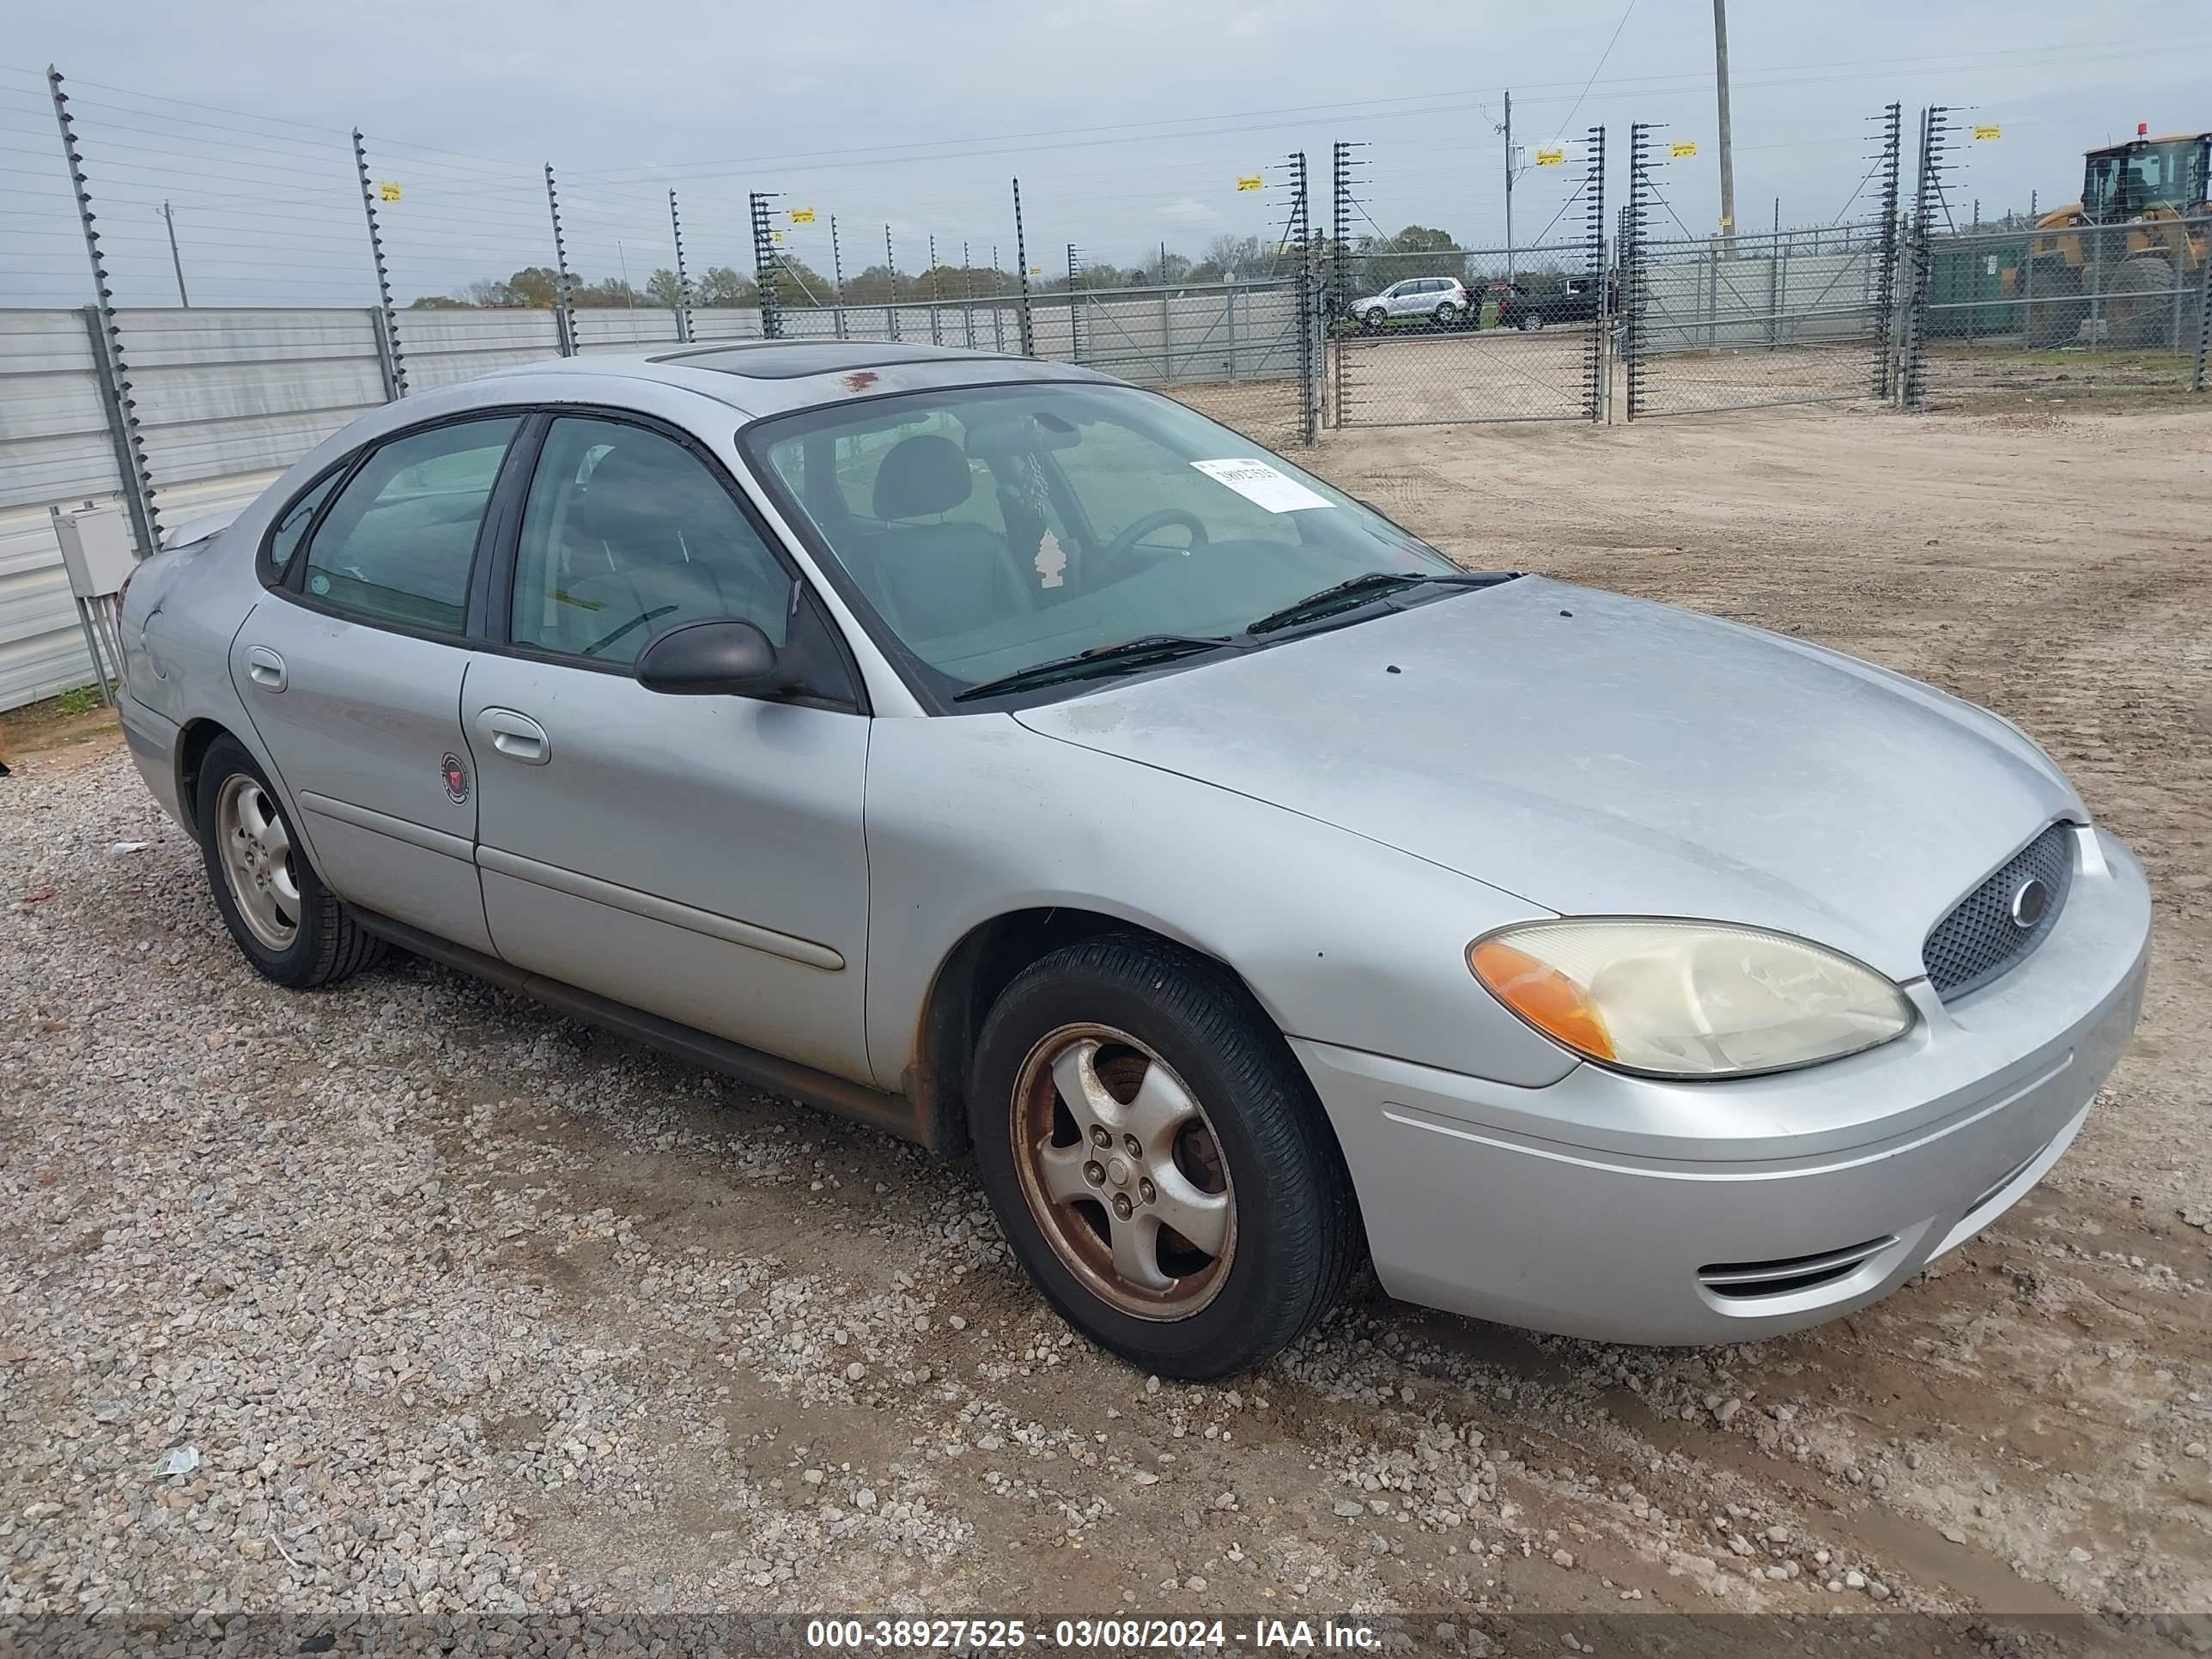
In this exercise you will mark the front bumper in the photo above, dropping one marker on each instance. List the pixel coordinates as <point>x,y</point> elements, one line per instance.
<point>1631,1210</point>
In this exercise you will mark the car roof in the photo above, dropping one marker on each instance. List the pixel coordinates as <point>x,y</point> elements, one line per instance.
<point>766,377</point>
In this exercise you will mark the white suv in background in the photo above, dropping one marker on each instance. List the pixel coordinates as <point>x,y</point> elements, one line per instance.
<point>1444,300</point>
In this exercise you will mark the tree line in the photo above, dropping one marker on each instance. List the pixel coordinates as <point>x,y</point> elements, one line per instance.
<point>1415,251</point>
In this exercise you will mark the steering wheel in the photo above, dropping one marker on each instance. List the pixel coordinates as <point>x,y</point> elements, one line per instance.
<point>1145,526</point>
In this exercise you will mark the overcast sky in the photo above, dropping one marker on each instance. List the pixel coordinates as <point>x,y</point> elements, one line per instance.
<point>1127,120</point>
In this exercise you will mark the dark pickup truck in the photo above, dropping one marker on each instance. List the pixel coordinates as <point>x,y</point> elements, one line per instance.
<point>1578,299</point>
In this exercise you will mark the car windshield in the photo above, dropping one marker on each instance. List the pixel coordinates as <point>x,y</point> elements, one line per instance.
<point>991,530</point>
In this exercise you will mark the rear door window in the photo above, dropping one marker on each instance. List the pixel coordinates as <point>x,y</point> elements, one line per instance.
<point>397,544</point>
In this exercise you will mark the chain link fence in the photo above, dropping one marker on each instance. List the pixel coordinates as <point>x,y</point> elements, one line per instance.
<point>1450,334</point>
<point>2107,298</point>
<point>2107,312</point>
<point>1748,321</point>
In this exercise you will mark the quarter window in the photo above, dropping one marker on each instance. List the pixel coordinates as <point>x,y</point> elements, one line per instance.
<point>284,541</point>
<point>627,534</point>
<point>396,543</point>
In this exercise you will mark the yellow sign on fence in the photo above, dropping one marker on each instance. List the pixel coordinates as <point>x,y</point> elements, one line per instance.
<point>388,191</point>
<point>1249,181</point>
<point>802,215</point>
<point>1685,147</point>
<point>1983,135</point>
<point>1551,158</point>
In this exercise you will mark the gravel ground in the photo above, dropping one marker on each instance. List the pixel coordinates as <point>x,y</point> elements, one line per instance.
<point>410,1297</point>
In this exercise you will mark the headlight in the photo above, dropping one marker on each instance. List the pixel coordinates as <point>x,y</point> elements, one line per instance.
<point>1688,998</point>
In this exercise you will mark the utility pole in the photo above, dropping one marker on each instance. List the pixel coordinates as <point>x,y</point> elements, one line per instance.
<point>1508,185</point>
<point>1728,151</point>
<point>175,259</point>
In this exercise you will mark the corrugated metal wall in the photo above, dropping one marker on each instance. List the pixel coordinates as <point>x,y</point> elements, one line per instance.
<point>54,448</point>
<point>1700,300</point>
<point>227,398</point>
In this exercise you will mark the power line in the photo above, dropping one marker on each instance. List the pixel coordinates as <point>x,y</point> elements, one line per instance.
<point>1602,57</point>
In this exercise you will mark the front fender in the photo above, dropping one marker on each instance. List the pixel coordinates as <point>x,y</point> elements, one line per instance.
<point>1342,940</point>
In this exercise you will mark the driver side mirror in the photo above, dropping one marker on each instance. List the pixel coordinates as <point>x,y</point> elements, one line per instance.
<point>723,658</point>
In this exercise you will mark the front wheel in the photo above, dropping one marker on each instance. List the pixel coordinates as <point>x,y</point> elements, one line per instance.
<point>290,926</point>
<point>1533,323</point>
<point>1156,1160</point>
<point>1377,318</point>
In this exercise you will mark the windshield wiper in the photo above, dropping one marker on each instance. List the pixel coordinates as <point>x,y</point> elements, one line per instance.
<point>1373,585</point>
<point>1099,659</point>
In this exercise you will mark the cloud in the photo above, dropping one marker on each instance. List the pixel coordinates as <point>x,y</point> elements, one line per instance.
<point>1189,213</point>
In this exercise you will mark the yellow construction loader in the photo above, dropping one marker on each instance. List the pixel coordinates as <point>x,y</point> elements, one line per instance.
<point>2129,255</point>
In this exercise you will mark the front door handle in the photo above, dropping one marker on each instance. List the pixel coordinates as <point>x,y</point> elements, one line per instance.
<point>264,668</point>
<point>515,735</point>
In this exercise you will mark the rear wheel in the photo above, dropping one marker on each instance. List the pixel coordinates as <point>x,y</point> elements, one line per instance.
<point>1157,1160</point>
<point>290,926</point>
<point>1532,322</point>
<point>1445,313</point>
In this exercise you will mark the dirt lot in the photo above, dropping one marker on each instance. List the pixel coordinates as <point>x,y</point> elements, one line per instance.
<point>460,1306</point>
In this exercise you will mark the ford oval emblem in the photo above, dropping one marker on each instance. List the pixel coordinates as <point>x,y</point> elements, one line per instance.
<point>2029,901</point>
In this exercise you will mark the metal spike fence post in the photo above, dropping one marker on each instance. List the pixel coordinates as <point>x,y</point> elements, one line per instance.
<point>1893,141</point>
<point>967,292</point>
<point>1597,362</point>
<point>890,270</point>
<point>123,429</point>
<point>1298,232</point>
<point>1341,202</point>
<point>1636,277</point>
<point>764,268</point>
<point>837,276</point>
<point>1928,194</point>
<point>1074,330</point>
<point>1022,271</point>
<point>395,359</point>
<point>564,310</point>
<point>682,274</point>
<point>936,334</point>
<point>2203,310</point>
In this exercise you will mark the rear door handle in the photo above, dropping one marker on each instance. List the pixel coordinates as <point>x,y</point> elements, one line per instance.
<point>264,668</point>
<point>515,735</point>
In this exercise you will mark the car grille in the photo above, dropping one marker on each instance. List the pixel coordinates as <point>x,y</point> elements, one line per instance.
<point>1737,1280</point>
<point>1979,939</point>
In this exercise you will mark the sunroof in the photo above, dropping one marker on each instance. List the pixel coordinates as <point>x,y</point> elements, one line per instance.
<point>791,360</point>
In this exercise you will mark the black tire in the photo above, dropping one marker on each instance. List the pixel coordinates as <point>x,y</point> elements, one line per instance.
<point>1532,322</point>
<point>1296,1230</point>
<point>2056,309</point>
<point>2141,296</point>
<point>1446,314</point>
<point>328,945</point>
<point>1375,317</point>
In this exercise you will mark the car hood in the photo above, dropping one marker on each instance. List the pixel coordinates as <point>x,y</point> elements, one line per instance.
<point>1599,755</point>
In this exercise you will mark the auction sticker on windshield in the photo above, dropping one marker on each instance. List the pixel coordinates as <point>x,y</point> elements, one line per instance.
<point>1261,485</point>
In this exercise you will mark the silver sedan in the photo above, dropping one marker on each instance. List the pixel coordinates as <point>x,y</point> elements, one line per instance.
<point>1023,763</point>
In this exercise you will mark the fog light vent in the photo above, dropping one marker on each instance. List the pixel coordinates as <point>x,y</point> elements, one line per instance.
<point>1797,1273</point>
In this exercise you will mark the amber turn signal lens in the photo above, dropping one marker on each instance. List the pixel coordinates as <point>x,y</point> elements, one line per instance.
<point>1541,994</point>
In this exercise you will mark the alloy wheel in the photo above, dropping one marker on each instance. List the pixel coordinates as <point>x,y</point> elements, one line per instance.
<point>1124,1173</point>
<point>257,859</point>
